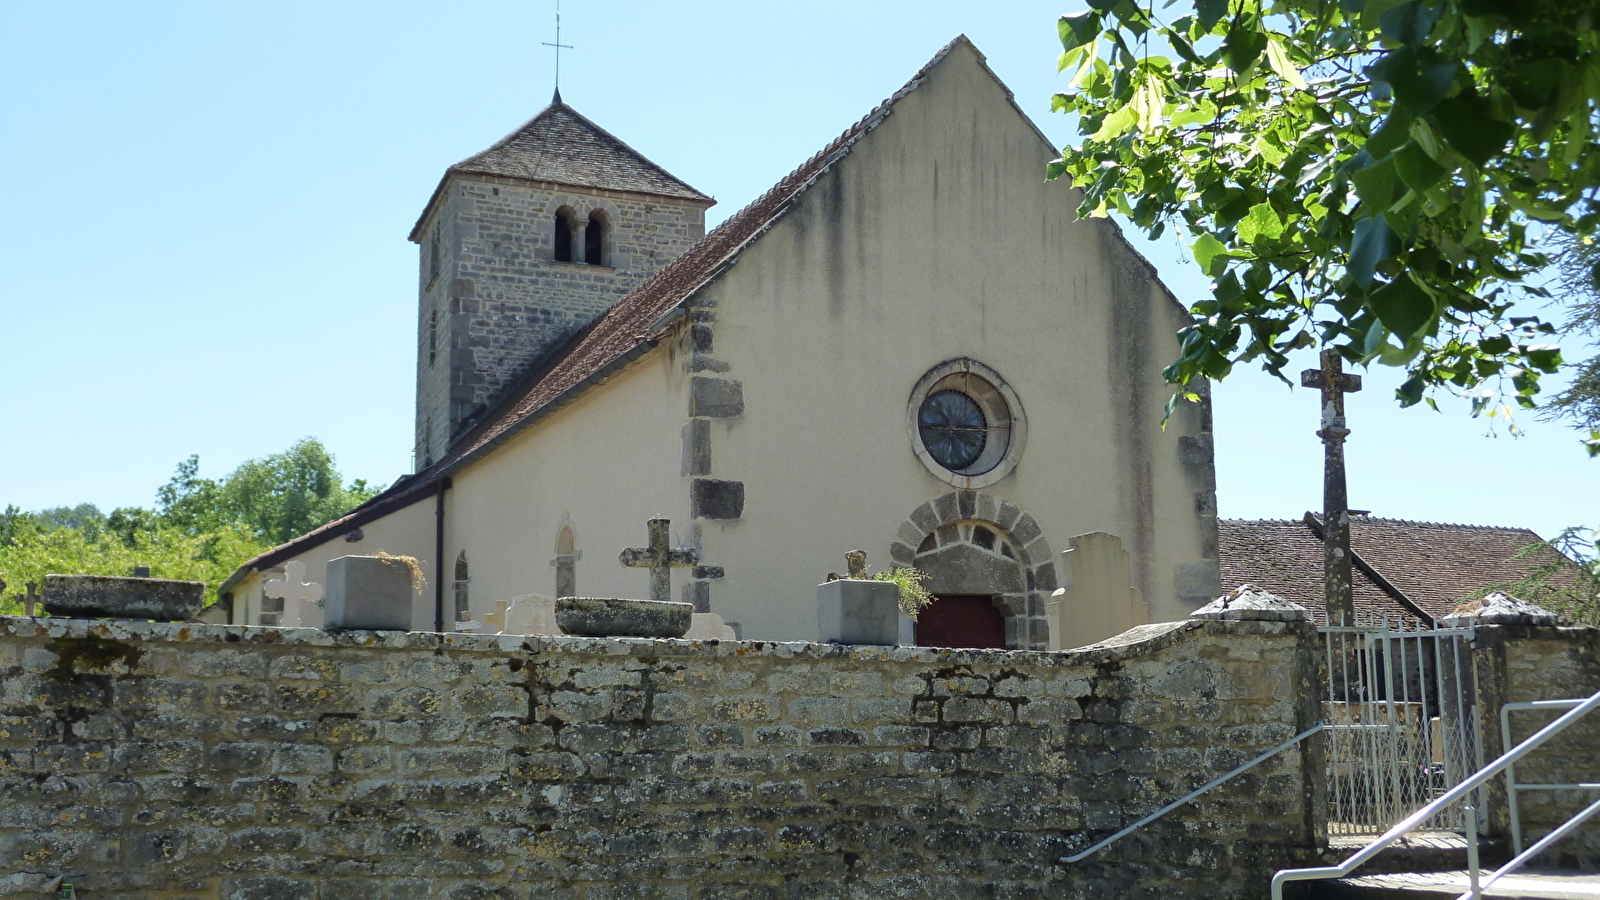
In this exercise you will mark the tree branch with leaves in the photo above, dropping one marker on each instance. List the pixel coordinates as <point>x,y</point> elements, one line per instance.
<point>1377,176</point>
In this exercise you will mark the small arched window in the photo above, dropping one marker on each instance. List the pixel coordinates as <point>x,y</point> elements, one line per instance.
<point>564,226</point>
<point>594,239</point>
<point>463,605</point>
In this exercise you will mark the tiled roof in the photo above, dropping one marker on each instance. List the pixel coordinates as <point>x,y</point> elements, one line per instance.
<point>632,325</point>
<point>561,146</point>
<point>1431,564</point>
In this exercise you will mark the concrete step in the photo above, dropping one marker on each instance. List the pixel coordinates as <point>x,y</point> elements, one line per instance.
<point>1436,885</point>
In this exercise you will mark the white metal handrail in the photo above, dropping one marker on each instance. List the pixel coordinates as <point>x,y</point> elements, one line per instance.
<point>1514,787</point>
<point>1443,800</point>
<point>1195,793</point>
<point>1516,862</point>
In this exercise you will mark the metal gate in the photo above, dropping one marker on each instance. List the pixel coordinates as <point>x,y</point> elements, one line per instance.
<point>1402,721</point>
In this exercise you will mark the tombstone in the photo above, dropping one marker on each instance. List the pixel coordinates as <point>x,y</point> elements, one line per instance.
<point>531,614</point>
<point>858,610</point>
<point>116,597</point>
<point>660,558</point>
<point>368,593</point>
<point>1099,600</point>
<point>708,627</point>
<point>292,590</point>
<point>621,617</point>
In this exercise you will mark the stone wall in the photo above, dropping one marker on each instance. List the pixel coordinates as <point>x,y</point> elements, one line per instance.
<point>1519,663</point>
<point>494,301</point>
<point>152,760</point>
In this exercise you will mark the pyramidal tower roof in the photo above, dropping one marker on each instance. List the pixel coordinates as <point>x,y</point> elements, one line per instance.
<point>561,146</point>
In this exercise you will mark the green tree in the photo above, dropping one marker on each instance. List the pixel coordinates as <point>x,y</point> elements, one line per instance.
<point>287,494</point>
<point>278,497</point>
<point>1563,575</point>
<point>169,552</point>
<point>1372,175</point>
<point>201,530</point>
<point>1579,403</point>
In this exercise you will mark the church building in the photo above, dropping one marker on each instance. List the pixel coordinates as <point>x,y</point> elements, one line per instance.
<point>909,345</point>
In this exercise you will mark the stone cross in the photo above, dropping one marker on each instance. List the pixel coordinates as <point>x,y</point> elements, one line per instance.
<point>660,559</point>
<point>293,587</point>
<point>30,600</point>
<point>1332,381</point>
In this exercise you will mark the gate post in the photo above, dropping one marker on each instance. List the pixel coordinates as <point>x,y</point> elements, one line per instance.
<point>1489,617</point>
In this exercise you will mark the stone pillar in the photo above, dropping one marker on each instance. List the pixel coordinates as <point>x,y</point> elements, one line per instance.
<point>1523,652</point>
<point>1099,599</point>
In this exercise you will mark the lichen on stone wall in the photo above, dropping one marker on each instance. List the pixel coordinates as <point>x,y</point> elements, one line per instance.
<point>222,761</point>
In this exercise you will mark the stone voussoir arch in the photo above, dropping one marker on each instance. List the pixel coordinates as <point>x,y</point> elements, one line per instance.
<point>1027,627</point>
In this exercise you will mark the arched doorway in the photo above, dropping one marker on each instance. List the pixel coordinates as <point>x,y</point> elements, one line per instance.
<point>989,567</point>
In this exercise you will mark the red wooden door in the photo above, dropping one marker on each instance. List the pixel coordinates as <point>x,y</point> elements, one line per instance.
<point>961,620</point>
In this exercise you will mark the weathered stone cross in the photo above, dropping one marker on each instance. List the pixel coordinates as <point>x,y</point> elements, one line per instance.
<point>660,559</point>
<point>29,601</point>
<point>1334,384</point>
<point>292,588</point>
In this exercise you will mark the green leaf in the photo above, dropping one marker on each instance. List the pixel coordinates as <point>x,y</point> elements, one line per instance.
<point>1392,133</point>
<point>1209,13</point>
<point>1469,129</point>
<point>1416,169</point>
<point>1419,78</point>
<point>1078,29</point>
<point>1410,23</point>
<point>1403,307</point>
<point>1411,391</point>
<point>1278,59</point>
<point>1376,185</point>
<point>1208,250</point>
<point>1373,243</point>
<point>1243,47</point>
<point>1261,221</point>
<point>1116,123</point>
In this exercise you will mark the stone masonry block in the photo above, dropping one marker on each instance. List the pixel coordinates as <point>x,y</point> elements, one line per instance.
<point>715,398</point>
<point>711,498</point>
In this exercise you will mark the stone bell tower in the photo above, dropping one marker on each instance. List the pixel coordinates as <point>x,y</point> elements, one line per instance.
<point>524,244</point>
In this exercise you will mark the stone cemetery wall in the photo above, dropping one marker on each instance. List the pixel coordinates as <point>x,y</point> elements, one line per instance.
<point>1519,663</point>
<point>150,760</point>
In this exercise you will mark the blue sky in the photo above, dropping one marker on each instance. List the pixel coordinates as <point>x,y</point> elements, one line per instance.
<point>207,207</point>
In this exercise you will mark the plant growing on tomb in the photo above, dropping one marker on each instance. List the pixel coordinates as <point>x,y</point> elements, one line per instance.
<point>412,566</point>
<point>914,596</point>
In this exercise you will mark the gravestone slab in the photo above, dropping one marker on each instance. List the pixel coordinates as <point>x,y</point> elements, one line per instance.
<point>367,593</point>
<point>531,614</point>
<point>857,611</point>
<point>620,617</point>
<point>94,596</point>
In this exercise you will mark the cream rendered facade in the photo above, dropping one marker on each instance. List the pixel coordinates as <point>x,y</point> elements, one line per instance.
<point>930,237</point>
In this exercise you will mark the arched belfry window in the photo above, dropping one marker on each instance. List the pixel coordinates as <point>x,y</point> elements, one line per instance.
<point>564,226</point>
<point>594,239</point>
<point>463,605</point>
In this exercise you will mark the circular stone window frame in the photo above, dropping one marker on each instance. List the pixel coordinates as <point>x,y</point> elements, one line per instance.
<point>1002,410</point>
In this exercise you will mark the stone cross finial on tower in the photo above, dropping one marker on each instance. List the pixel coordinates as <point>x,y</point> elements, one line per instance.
<point>292,588</point>
<point>660,558</point>
<point>1334,383</point>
